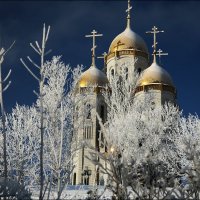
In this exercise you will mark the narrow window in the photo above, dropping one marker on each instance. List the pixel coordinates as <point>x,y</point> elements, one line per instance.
<point>87,134</point>
<point>139,70</point>
<point>74,179</point>
<point>126,71</point>
<point>112,72</point>
<point>88,111</point>
<point>102,112</point>
<point>152,105</point>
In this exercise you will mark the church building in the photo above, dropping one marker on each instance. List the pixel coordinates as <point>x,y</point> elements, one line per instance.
<point>127,47</point>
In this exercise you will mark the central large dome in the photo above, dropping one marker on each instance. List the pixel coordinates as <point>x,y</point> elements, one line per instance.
<point>128,40</point>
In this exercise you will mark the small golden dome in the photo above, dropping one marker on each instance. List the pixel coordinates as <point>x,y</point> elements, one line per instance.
<point>93,77</point>
<point>128,40</point>
<point>155,74</point>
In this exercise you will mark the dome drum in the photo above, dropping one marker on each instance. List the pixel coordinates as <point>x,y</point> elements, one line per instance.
<point>155,86</point>
<point>95,89</point>
<point>133,52</point>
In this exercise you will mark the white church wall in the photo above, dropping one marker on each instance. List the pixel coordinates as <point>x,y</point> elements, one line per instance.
<point>133,63</point>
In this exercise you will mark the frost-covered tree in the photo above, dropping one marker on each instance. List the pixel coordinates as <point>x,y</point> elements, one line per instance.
<point>188,143</point>
<point>55,107</point>
<point>140,142</point>
<point>23,132</point>
<point>58,102</point>
<point>22,146</point>
<point>3,88</point>
<point>141,153</point>
<point>41,51</point>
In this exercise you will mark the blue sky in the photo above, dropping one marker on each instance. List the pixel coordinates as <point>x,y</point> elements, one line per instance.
<point>71,20</point>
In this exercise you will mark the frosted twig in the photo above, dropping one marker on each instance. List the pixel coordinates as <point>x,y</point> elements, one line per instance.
<point>43,38</point>
<point>7,86</point>
<point>35,48</point>
<point>33,62</point>
<point>49,51</point>
<point>36,42</point>
<point>47,35</point>
<point>9,48</point>
<point>7,75</point>
<point>35,93</point>
<point>29,70</point>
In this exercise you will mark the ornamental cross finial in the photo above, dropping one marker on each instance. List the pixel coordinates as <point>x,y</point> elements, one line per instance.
<point>94,35</point>
<point>129,14</point>
<point>119,43</point>
<point>154,32</point>
<point>104,57</point>
<point>160,53</point>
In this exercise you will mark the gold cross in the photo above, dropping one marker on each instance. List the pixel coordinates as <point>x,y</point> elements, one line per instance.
<point>154,32</point>
<point>104,57</point>
<point>94,35</point>
<point>118,44</point>
<point>160,53</point>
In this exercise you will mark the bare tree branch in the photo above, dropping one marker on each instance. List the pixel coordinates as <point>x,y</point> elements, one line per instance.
<point>29,70</point>
<point>33,62</point>
<point>8,75</point>
<point>35,48</point>
<point>7,86</point>
<point>8,48</point>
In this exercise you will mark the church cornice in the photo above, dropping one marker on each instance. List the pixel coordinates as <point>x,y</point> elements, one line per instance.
<point>93,89</point>
<point>157,86</point>
<point>123,52</point>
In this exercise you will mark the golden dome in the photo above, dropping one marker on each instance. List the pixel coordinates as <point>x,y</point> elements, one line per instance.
<point>128,40</point>
<point>93,77</point>
<point>155,74</point>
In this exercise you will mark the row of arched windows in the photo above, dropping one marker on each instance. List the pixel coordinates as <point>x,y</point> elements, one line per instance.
<point>112,72</point>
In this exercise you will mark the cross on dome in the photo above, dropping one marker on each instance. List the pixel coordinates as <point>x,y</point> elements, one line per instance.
<point>103,57</point>
<point>128,10</point>
<point>119,43</point>
<point>160,53</point>
<point>154,32</point>
<point>94,35</point>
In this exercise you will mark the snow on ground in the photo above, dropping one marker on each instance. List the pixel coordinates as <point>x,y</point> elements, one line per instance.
<point>77,192</point>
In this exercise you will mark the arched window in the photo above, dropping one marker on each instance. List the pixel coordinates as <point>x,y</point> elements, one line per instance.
<point>102,111</point>
<point>88,111</point>
<point>101,181</point>
<point>126,71</point>
<point>74,179</point>
<point>139,70</point>
<point>76,112</point>
<point>152,105</point>
<point>112,72</point>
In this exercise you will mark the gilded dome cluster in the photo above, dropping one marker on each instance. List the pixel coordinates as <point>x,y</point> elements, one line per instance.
<point>127,43</point>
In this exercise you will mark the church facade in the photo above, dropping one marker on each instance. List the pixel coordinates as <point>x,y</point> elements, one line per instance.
<point>127,47</point>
